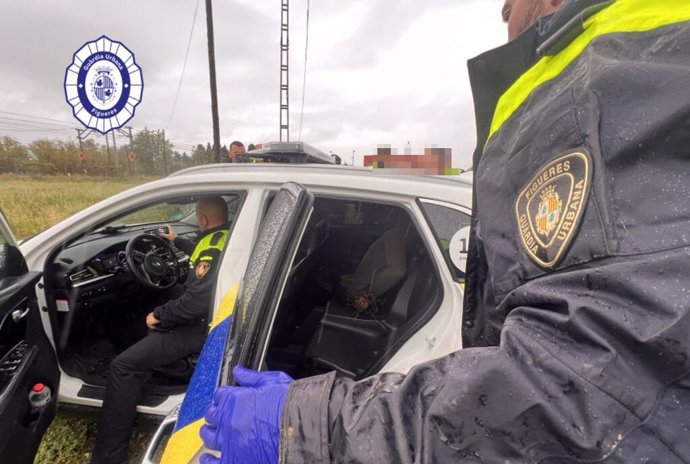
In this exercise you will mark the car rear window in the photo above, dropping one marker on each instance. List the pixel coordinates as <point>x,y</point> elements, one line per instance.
<point>451,230</point>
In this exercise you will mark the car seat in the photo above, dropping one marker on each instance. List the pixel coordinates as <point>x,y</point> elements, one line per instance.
<point>382,266</point>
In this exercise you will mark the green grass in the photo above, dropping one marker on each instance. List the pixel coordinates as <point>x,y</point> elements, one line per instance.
<point>70,438</point>
<point>32,204</point>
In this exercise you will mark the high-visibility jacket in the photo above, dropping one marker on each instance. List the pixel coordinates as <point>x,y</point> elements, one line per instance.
<point>193,305</point>
<point>577,313</point>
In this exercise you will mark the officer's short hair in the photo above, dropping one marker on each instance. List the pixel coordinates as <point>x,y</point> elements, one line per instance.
<point>214,203</point>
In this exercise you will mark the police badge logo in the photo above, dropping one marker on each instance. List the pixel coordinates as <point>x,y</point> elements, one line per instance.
<point>103,85</point>
<point>202,269</point>
<point>549,208</point>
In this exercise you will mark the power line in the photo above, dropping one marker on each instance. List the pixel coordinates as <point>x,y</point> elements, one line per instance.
<point>30,129</point>
<point>184,145</point>
<point>35,117</point>
<point>304,81</point>
<point>27,122</point>
<point>10,124</point>
<point>184,65</point>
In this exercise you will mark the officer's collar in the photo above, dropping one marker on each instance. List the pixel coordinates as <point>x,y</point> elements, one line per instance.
<point>224,226</point>
<point>494,71</point>
<point>555,32</point>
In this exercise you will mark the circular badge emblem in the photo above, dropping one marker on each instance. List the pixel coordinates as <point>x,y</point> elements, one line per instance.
<point>458,248</point>
<point>103,85</point>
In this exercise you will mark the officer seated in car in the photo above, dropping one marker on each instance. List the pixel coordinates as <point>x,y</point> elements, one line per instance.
<point>177,329</point>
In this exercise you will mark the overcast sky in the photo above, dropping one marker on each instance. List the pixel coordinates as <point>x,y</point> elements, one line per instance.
<point>378,71</point>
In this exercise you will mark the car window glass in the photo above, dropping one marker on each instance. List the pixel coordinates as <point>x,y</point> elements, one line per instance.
<point>176,210</point>
<point>162,212</point>
<point>451,229</point>
<point>362,277</point>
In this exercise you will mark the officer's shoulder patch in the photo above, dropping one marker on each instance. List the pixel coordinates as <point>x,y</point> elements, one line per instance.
<point>202,269</point>
<point>550,206</point>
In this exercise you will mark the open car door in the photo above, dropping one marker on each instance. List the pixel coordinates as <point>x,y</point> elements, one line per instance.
<point>265,279</point>
<point>29,373</point>
<point>248,323</point>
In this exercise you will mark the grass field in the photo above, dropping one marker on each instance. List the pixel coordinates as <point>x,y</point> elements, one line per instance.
<point>32,205</point>
<point>70,438</point>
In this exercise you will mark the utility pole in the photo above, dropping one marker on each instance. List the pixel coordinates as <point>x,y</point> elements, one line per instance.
<point>117,161</point>
<point>353,158</point>
<point>131,144</point>
<point>107,147</point>
<point>284,71</point>
<point>212,76</point>
<point>81,149</point>
<point>163,150</point>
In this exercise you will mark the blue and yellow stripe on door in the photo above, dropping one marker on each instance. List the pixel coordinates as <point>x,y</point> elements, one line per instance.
<point>185,442</point>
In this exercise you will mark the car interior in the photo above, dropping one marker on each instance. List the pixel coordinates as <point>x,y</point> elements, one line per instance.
<point>352,248</point>
<point>98,297</point>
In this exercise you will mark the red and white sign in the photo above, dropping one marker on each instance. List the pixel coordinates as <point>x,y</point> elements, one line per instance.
<point>81,155</point>
<point>131,156</point>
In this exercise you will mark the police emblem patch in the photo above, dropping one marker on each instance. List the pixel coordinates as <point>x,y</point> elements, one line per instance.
<point>202,269</point>
<point>103,85</point>
<point>549,208</point>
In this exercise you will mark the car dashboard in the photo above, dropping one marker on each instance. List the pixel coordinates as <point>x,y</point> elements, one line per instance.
<point>93,271</point>
<point>100,255</point>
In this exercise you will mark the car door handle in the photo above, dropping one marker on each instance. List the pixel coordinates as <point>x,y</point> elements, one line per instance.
<point>18,314</point>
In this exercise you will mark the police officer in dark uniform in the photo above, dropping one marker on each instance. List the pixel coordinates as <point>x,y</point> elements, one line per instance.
<point>577,309</point>
<point>177,330</point>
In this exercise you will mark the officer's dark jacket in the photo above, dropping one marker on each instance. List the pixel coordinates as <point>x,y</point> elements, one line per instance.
<point>577,314</point>
<point>192,306</point>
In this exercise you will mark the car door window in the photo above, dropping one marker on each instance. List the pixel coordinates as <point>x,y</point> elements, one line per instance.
<point>362,278</point>
<point>450,224</point>
<point>180,209</point>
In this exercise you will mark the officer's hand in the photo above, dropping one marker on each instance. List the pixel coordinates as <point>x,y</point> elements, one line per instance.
<point>151,321</point>
<point>243,423</point>
<point>171,235</point>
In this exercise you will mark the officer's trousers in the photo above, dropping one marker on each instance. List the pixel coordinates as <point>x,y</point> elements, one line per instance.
<point>128,373</point>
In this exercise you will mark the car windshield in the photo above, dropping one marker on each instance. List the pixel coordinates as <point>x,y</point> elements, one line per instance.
<point>158,213</point>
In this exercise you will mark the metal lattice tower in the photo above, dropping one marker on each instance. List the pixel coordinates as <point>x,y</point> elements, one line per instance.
<point>284,73</point>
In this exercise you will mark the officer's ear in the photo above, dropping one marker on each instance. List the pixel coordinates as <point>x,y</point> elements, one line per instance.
<point>202,220</point>
<point>553,5</point>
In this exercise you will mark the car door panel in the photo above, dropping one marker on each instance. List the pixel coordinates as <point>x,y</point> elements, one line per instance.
<point>265,278</point>
<point>26,357</point>
<point>242,335</point>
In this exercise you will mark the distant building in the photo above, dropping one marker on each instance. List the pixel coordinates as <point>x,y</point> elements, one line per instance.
<point>434,161</point>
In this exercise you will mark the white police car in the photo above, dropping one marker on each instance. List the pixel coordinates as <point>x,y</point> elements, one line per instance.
<point>300,237</point>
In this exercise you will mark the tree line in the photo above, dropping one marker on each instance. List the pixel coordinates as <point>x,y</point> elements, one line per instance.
<point>154,156</point>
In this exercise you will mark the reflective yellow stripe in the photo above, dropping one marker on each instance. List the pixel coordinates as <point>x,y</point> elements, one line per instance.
<point>205,244</point>
<point>227,304</point>
<point>183,444</point>
<point>622,16</point>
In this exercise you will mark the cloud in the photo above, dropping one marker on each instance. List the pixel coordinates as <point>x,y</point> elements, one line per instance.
<point>378,71</point>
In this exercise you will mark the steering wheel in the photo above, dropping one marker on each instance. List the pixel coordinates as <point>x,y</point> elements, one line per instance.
<point>152,261</point>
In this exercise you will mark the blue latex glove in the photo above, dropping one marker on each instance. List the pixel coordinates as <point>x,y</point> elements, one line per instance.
<point>243,422</point>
